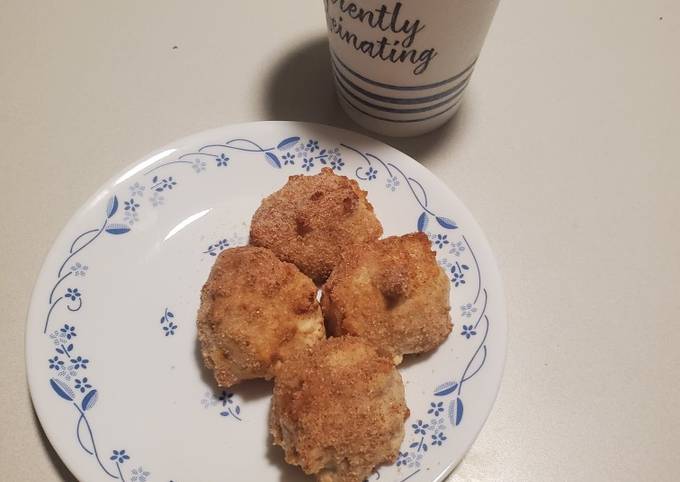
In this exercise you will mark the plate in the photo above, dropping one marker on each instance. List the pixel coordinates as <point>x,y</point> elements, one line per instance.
<point>113,362</point>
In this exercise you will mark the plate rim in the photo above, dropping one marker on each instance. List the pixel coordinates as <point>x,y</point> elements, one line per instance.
<point>131,168</point>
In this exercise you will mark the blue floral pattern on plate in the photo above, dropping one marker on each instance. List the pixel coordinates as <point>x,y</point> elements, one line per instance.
<point>67,367</point>
<point>167,324</point>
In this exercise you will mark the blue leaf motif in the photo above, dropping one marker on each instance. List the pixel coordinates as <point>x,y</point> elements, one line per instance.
<point>59,350</point>
<point>170,315</point>
<point>287,143</point>
<point>413,445</point>
<point>112,207</point>
<point>155,179</point>
<point>63,390</point>
<point>273,160</point>
<point>422,222</point>
<point>456,411</point>
<point>445,388</point>
<point>70,347</point>
<point>446,223</point>
<point>118,229</point>
<point>89,400</point>
<point>224,414</point>
<point>238,410</point>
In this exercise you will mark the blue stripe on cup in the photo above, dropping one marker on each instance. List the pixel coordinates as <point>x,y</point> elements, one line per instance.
<point>395,110</point>
<point>407,100</point>
<point>434,85</point>
<point>420,119</point>
<point>355,89</point>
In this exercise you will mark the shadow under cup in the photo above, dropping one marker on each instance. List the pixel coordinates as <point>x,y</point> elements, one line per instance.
<point>401,69</point>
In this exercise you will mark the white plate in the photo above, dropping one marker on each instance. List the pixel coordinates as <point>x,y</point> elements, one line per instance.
<point>111,346</point>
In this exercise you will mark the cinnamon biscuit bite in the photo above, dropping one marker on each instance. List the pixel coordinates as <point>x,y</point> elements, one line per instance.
<point>255,311</point>
<point>338,410</point>
<point>312,219</point>
<point>391,292</point>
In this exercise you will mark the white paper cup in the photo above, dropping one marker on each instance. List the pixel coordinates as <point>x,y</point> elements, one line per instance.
<point>401,68</point>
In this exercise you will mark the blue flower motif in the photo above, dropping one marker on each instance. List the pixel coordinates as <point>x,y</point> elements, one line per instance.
<point>392,183</point>
<point>468,331</point>
<point>467,310</point>
<point>444,263</point>
<point>457,248</point>
<point>336,164</point>
<point>137,190</point>
<point>437,425</point>
<point>119,456</point>
<point>436,408</point>
<point>139,475</point>
<point>79,269</point>
<point>222,160</point>
<point>208,400</point>
<point>198,165</point>
<point>131,205</point>
<point>457,275</point>
<point>440,240</point>
<point>307,163</point>
<point>215,248</point>
<point>55,363</point>
<point>371,173</point>
<point>165,183</point>
<point>288,158</point>
<point>301,150</point>
<point>420,427</point>
<point>170,328</point>
<point>157,200</point>
<point>57,338</point>
<point>438,438</point>
<point>67,373</point>
<point>131,217</point>
<point>72,293</point>
<point>82,385</point>
<point>226,397</point>
<point>312,145</point>
<point>414,460</point>
<point>402,458</point>
<point>79,362</point>
<point>68,331</point>
<point>457,278</point>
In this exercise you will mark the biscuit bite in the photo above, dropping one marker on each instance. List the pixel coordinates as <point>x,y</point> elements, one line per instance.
<point>391,292</point>
<point>338,410</point>
<point>311,219</point>
<point>255,311</point>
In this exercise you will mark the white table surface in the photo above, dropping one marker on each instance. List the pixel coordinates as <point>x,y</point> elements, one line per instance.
<point>567,150</point>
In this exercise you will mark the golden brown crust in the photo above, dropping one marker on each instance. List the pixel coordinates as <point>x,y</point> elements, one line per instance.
<point>312,219</point>
<point>391,292</point>
<point>255,310</point>
<point>338,410</point>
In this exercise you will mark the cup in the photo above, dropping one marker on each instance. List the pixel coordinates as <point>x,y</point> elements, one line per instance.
<point>401,68</point>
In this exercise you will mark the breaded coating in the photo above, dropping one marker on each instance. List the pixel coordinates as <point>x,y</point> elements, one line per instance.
<point>391,292</point>
<point>255,311</point>
<point>311,219</point>
<point>338,410</point>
